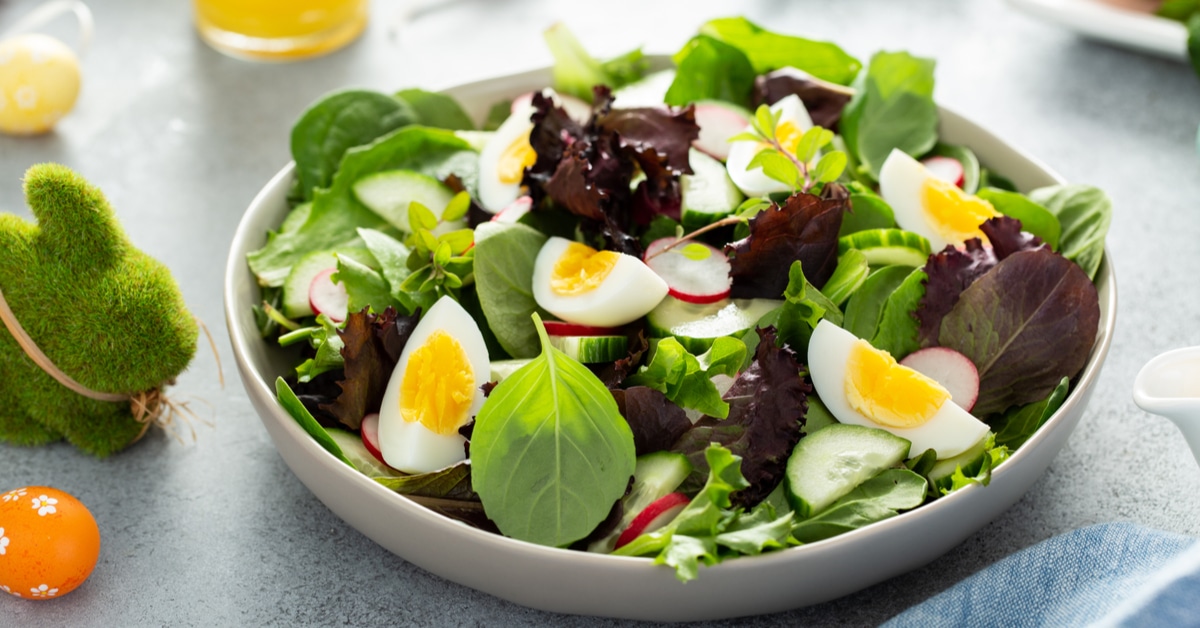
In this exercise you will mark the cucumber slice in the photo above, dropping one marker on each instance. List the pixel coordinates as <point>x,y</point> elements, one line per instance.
<point>504,368</point>
<point>389,194</point>
<point>834,460</point>
<point>886,247</point>
<point>295,288</point>
<point>476,139</point>
<point>361,459</point>
<point>649,91</point>
<point>696,326</point>
<point>970,460</point>
<point>708,194</point>
<point>654,476</point>
<point>592,349</point>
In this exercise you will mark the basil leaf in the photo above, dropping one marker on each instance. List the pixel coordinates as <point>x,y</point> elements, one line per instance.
<point>504,257</point>
<point>550,453</point>
<point>1085,213</point>
<point>892,108</point>
<point>436,110</point>
<point>296,409</point>
<point>336,123</point>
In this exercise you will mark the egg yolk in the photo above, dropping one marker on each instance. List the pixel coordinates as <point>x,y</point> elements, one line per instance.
<point>515,159</point>
<point>581,269</point>
<point>888,393</point>
<point>438,385</point>
<point>955,214</point>
<point>789,136</point>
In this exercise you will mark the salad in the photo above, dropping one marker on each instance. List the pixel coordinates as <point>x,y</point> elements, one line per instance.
<point>735,306</point>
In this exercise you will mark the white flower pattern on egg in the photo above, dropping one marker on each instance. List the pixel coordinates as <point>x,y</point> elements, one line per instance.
<point>3,543</point>
<point>45,505</point>
<point>26,97</point>
<point>14,494</point>
<point>43,591</point>
<point>4,587</point>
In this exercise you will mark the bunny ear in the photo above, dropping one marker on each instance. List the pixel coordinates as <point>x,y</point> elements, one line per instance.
<point>76,221</point>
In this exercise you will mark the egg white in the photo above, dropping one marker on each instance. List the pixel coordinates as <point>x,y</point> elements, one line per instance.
<point>901,183</point>
<point>949,432</point>
<point>752,181</point>
<point>412,447</point>
<point>494,194</point>
<point>628,293</point>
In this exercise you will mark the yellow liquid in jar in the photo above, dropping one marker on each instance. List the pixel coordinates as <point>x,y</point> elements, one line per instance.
<point>279,29</point>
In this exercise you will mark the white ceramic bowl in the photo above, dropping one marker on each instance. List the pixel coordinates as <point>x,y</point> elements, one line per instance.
<point>591,584</point>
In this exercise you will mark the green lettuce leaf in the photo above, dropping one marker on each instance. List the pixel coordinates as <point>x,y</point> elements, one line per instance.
<point>804,306</point>
<point>576,71</point>
<point>329,351</point>
<point>879,498</point>
<point>1085,214</point>
<point>504,257</point>
<point>1015,427</point>
<point>550,452</point>
<point>291,403</point>
<point>686,379</point>
<point>709,69</point>
<point>769,51</point>
<point>1034,218</point>
<point>436,110</point>
<point>897,330</point>
<point>865,306</point>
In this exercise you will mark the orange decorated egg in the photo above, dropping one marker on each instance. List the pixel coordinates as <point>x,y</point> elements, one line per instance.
<point>49,543</point>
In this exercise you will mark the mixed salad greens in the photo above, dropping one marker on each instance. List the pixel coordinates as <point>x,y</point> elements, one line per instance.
<point>606,321</point>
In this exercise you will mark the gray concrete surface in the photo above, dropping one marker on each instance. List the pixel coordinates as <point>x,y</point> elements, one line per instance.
<point>219,532</point>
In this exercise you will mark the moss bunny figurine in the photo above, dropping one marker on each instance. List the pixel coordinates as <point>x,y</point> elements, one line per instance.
<point>104,313</point>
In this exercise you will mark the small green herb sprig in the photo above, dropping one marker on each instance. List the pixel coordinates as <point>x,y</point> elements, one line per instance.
<point>439,263</point>
<point>804,168</point>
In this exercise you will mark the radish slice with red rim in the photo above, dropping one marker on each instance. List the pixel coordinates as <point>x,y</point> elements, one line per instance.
<point>717,124</point>
<point>695,272</point>
<point>947,169</point>
<point>953,370</point>
<point>659,513</point>
<point>370,435</point>
<point>328,297</point>
<point>561,328</point>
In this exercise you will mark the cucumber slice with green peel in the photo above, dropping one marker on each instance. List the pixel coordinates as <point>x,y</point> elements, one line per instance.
<point>971,461</point>
<point>295,288</point>
<point>654,476</point>
<point>708,194</point>
<point>697,325</point>
<point>887,247</point>
<point>356,452</point>
<point>390,192</point>
<point>832,461</point>
<point>592,349</point>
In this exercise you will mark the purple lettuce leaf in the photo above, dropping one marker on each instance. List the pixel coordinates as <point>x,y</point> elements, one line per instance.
<point>767,404</point>
<point>372,344</point>
<point>1026,324</point>
<point>656,421</point>
<point>805,229</point>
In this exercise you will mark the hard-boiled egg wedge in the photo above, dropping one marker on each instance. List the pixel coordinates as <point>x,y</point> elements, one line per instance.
<point>793,122</point>
<point>503,160</point>
<point>599,288</point>
<point>925,204</point>
<point>434,390</point>
<point>862,385</point>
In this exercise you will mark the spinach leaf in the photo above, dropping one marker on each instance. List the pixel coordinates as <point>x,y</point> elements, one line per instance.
<point>453,482</point>
<point>504,257</point>
<point>769,51</point>
<point>866,304</point>
<point>291,403</point>
<point>867,211</point>
<point>1026,324</point>
<point>878,498</point>
<point>686,379</point>
<point>550,453</point>
<point>710,69</point>
<point>897,331</point>
<point>336,123</point>
<point>336,215</point>
<point>892,108</point>
<point>1034,218</point>
<point>1015,427</point>
<point>436,110</point>
<point>1085,213</point>
<point>851,272</point>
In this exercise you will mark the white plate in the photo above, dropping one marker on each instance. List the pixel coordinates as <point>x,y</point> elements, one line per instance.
<point>592,584</point>
<point>1132,29</point>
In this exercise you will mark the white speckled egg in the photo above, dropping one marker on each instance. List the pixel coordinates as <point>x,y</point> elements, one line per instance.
<point>39,82</point>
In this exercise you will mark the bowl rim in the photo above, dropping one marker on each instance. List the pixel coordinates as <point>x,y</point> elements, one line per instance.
<point>245,240</point>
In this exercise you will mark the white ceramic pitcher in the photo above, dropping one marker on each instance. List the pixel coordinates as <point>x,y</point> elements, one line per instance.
<point>1169,386</point>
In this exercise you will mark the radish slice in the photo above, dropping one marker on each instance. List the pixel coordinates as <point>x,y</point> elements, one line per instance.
<point>717,124</point>
<point>370,435</point>
<point>560,328</point>
<point>659,513</point>
<point>513,212</point>
<point>576,109</point>
<point>951,369</point>
<point>947,169</point>
<point>695,272</point>
<point>327,297</point>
